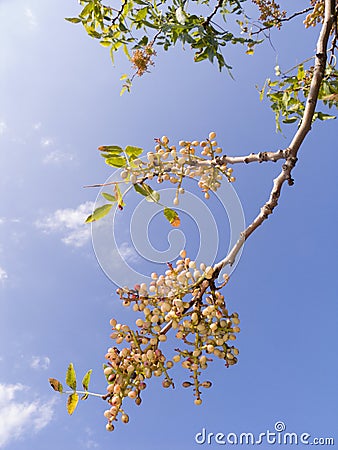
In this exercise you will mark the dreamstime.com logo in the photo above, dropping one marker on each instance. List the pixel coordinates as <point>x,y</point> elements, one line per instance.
<point>279,436</point>
<point>126,244</point>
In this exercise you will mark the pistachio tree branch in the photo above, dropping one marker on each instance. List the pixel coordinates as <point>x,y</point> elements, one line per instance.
<point>283,19</point>
<point>217,7</point>
<point>290,155</point>
<point>253,157</point>
<point>298,139</point>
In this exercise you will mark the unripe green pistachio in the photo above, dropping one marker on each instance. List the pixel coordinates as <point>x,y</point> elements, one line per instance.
<point>107,414</point>
<point>139,322</point>
<point>132,394</point>
<point>110,388</point>
<point>186,364</point>
<point>209,271</point>
<point>108,371</point>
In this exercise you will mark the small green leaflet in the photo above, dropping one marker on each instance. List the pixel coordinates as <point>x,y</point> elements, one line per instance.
<point>322,116</point>
<point>108,197</point>
<point>125,50</point>
<point>118,195</point>
<point>86,380</point>
<point>172,217</point>
<point>72,402</point>
<point>300,73</point>
<point>133,152</point>
<point>141,14</point>
<point>105,43</point>
<point>113,149</point>
<point>73,19</point>
<point>99,212</point>
<point>71,377</point>
<point>148,192</point>
<point>56,385</point>
<point>116,161</point>
<point>290,119</point>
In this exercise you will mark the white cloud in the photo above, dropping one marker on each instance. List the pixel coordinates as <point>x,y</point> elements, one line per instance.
<point>128,253</point>
<point>57,157</point>
<point>31,18</point>
<point>3,127</point>
<point>40,362</point>
<point>88,441</point>
<point>3,275</point>
<point>46,142</point>
<point>18,417</point>
<point>69,222</point>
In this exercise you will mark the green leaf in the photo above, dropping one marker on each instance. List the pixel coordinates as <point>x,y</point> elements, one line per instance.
<point>73,19</point>
<point>138,188</point>
<point>87,10</point>
<point>72,402</point>
<point>133,152</point>
<point>172,217</point>
<point>116,161</point>
<point>108,197</point>
<point>322,116</point>
<point>301,72</point>
<point>56,385</point>
<point>105,43</point>
<point>113,149</point>
<point>86,380</point>
<point>153,197</point>
<point>118,195</point>
<point>99,212</point>
<point>147,191</point>
<point>71,377</point>
<point>141,14</point>
<point>125,51</point>
<point>290,119</point>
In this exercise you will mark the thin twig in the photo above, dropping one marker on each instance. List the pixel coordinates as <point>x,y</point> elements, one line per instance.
<point>119,13</point>
<point>285,19</point>
<point>208,19</point>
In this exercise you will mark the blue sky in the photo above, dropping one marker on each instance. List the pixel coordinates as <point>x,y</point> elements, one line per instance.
<point>59,102</point>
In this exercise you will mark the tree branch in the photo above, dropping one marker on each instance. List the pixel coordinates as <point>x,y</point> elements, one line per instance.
<point>285,19</point>
<point>298,139</point>
<point>253,157</point>
<point>208,19</point>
